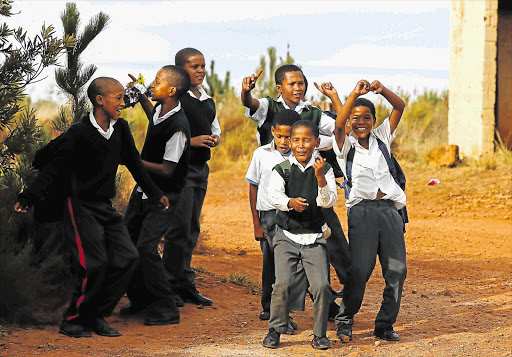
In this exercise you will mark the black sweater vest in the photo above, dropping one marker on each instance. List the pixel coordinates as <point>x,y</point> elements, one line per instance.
<point>200,115</point>
<point>305,185</point>
<point>308,113</point>
<point>154,149</point>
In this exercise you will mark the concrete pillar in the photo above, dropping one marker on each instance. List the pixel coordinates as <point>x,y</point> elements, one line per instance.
<point>471,117</point>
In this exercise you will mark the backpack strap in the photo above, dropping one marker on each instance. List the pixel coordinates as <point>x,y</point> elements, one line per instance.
<point>286,166</point>
<point>387,157</point>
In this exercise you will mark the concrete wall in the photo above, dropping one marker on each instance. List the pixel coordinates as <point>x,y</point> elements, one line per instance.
<point>471,116</point>
<point>504,102</point>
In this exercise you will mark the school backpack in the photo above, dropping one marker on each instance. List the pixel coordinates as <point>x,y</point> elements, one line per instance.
<point>394,168</point>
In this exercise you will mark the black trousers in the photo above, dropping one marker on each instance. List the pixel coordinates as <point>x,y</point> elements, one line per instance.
<point>103,254</point>
<point>147,224</point>
<point>374,228</point>
<point>337,246</point>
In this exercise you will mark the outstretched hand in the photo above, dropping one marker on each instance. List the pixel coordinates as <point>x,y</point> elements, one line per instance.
<point>129,85</point>
<point>327,89</point>
<point>248,83</point>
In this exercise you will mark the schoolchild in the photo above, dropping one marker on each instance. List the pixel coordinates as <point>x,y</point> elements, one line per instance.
<point>374,225</point>
<point>290,85</point>
<point>88,154</point>
<point>299,188</point>
<point>263,212</point>
<point>165,157</point>
<point>182,236</point>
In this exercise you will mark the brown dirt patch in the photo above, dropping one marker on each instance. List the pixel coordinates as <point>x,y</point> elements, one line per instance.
<point>457,299</point>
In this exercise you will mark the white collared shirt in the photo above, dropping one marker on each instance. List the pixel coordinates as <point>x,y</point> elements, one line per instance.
<point>204,96</point>
<point>263,161</point>
<point>106,134</point>
<point>327,197</point>
<point>175,146</point>
<point>326,124</point>
<point>370,171</point>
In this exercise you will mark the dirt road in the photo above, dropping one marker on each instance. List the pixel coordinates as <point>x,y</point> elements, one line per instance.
<point>457,299</point>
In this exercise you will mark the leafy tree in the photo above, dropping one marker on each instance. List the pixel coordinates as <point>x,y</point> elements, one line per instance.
<point>217,88</point>
<point>26,285</point>
<point>73,78</point>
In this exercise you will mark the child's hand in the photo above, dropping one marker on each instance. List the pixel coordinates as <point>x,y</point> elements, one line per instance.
<point>216,140</point>
<point>19,208</point>
<point>203,141</point>
<point>299,204</point>
<point>376,87</point>
<point>327,89</point>
<point>319,167</point>
<point>248,83</point>
<point>362,87</point>
<point>258,232</point>
<point>164,203</point>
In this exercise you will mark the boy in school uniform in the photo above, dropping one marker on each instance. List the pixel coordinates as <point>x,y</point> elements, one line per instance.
<point>181,238</point>
<point>375,226</point>
<point>263,212</point>
<point>89,153</point>
<point>165,156</point>
<point>299,188</point>
<point>291,85</point>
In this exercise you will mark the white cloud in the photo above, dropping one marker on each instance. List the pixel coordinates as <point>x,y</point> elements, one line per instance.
<point>389,57</point>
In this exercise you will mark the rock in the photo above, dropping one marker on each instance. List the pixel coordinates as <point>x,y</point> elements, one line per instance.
<point>378,343</point>
<point>444,156</point>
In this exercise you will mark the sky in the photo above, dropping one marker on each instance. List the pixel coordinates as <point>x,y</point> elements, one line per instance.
<point>404,44</point>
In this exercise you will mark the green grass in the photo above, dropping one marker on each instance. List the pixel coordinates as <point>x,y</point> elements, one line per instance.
<point>238,278</point>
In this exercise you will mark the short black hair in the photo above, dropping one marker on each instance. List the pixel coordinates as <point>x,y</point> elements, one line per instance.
<point>100,86</point>
<point>308,124</point>
<point>177,77</point>
<point>286,117</point>
<point>184,54</point>
<point>281,71</point>
<point>363,102</point>
<point>305,84</point>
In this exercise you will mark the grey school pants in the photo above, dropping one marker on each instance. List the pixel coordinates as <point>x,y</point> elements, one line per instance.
<point>287,255</point>
<point>300,282</point>
<point>374,228</point>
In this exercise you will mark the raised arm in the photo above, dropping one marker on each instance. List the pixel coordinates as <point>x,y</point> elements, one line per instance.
<point>144,101</point>
<point>248,84</point>
<point>362,87</point>
<point>328,90</point>
<point>393,99</point>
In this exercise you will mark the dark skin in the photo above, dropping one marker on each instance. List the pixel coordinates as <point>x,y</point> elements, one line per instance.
<point>166,96</point>
<point>361,118</point>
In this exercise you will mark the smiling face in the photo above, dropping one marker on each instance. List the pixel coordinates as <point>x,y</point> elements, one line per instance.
<point>293,88</point>
<point>160,88</point>
<point>112,101</point>
<point>303,144</point>
<point>281,135</point>
<point>196,68</point>
<point>361,121</point>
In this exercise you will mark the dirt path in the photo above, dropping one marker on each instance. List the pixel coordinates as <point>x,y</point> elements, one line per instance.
<point>457,299</point>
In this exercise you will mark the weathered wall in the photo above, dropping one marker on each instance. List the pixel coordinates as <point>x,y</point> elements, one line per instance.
<point>472,96</point>
<point>504,101</point>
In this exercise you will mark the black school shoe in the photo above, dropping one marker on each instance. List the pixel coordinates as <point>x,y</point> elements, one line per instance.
<point>101,327</point>
<point>320,343</point>
<point>193,296</point>
<point>265,315</point>
<point>131,309</point>
<point>272,340</point>
<point>344,332</point>
<point>387,334</point>
<point>74,329</point>
<point>162,318</point>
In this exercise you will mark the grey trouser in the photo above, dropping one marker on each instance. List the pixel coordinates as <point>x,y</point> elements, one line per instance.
<point>374,228</point>
<point>287,255</point>
<point>300,282</point>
